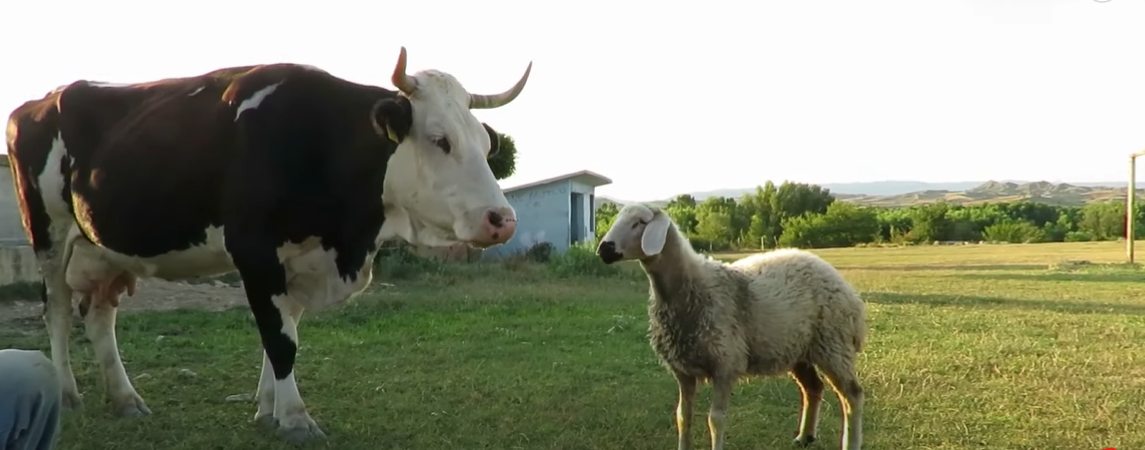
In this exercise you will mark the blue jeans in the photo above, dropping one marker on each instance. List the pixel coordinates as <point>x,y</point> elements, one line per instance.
<point>29,401</point>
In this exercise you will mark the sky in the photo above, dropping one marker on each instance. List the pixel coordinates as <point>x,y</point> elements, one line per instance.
<point>666,97</point>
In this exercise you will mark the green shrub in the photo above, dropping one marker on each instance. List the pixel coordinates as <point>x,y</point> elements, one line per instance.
<point>541,252</point>
<point>399,262</point>
<point>1078,236</point>
<point>580,260</point>
<point>22,290</point>
<point>1014,232</point>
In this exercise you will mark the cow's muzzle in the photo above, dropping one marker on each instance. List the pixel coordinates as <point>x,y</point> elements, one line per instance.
<point>497,226</point>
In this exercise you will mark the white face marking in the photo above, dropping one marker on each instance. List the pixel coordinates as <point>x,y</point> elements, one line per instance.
<point>196,91</point>
<point>627,231</point>
<point>256,99</point>
<point>443,196</point>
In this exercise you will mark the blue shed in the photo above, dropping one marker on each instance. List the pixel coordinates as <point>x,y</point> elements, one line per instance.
<point>558,210</point>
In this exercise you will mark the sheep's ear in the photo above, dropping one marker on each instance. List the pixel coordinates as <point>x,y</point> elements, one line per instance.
<point>655,233</point>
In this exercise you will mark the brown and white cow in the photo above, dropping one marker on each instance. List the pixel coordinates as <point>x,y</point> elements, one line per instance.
<point>283,172</point>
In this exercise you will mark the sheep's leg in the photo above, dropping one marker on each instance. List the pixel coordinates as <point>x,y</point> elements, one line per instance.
<point>811,387</point>
<point>717,417</point>
<point>842,377</point>
<point>684,408</point>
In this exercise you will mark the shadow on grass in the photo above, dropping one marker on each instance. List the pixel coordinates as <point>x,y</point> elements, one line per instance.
<point>971,302</point>
<point>958,267</point>
<point>21,290</point>
<point>1123,277</point>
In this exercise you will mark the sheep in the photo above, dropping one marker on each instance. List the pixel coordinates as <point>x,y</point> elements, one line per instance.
<point>764,315</point>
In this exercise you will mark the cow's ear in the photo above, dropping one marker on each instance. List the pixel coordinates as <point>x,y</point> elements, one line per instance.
<point>494,140</point>
<point>392,118</point>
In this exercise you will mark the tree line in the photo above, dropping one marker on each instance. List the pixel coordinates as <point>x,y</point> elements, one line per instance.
<point>808,216</point>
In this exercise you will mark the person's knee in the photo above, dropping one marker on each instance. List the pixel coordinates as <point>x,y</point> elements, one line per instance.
<point>32,368</point>
<point>30,395</point>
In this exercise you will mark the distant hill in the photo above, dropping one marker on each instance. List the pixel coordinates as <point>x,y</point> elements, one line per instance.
<point>1063,194</point>
<point>907,193</point>
<point>866,188</point>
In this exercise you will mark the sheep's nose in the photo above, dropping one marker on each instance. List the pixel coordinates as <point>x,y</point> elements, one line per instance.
<point>607,252</point>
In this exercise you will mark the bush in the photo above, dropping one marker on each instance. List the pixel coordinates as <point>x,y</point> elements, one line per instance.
<point>399,262</point>
<point>22,290</point>
<point>1078,236</point>
<point>843,225</point>
<point>580,260</point>
<point>541,252</point>
<point>1014,232</point>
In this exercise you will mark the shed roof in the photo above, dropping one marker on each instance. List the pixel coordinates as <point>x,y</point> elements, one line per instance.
<point>584,176</point>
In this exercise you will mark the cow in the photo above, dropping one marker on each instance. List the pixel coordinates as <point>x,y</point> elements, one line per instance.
<point>284,173</point>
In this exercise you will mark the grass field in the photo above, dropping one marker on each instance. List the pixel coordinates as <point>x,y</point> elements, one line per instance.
<point>971,347</point>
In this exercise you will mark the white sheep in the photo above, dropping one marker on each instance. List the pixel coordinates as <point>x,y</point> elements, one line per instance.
<point>764,315</point>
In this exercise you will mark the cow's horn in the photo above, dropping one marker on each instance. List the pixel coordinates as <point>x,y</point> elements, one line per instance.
<point>478,101</point>
<point>404,83</point>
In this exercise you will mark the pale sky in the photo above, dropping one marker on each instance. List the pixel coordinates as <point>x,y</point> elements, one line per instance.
<point>668,97</point>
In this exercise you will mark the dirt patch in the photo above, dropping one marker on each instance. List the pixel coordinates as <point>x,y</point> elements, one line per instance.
<point>151,295</point>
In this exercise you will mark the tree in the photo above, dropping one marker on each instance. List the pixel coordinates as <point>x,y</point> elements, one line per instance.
<point>792,200</point>
<point>714,227</point>
<point>930,223</point>
<point>763,221</point>
<point>605,216</point>
<point>843,225</point>
<point>504,163</point>
<point>682,210</point>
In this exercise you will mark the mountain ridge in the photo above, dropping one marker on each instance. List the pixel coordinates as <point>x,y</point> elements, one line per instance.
<point>893,193</point>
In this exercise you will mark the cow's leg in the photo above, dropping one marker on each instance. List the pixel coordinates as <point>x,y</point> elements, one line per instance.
<point>101,285</point>
<point>266,383</point>
<point>264,279</point>
<point>58,319</point>
<point>100,324</point>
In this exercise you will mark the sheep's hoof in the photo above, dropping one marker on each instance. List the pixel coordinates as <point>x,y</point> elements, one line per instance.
<point>804,441</point>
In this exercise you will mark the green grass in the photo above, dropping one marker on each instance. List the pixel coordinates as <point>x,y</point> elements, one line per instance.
<point>974,347</point>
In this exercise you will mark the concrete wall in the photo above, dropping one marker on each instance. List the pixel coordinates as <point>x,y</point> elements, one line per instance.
<point>18,263</point>
<point>542,216</point>
<point>11,229</point>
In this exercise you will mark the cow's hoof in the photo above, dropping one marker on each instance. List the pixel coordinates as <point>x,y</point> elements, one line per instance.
<point>804,441</point>
<point>266,421</point>
<point>299,429</point>
<point>71,402</point>
<point>132,407</point>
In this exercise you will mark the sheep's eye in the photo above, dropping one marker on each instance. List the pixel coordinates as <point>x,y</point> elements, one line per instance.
<point>442,143</point>
<point>638,223</point>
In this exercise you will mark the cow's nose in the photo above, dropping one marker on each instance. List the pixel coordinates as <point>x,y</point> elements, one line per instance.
<point>499,226</point>
<point>495,218</point>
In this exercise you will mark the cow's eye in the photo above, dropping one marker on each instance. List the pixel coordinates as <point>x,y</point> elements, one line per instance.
<point>442,143</point>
